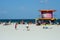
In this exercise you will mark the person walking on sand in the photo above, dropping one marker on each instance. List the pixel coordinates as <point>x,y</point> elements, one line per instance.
<point>16,25</point>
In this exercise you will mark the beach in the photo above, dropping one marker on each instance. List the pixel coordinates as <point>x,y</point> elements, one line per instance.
<point>8,32</point>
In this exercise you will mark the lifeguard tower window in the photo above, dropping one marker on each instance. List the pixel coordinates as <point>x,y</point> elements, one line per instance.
<point>47,15</point>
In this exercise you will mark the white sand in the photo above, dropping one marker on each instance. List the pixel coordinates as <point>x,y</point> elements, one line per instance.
<point>8,32</point>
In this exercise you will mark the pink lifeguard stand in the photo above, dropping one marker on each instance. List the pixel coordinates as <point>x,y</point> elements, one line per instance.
<point>47,14</point>
<point>47,17</point>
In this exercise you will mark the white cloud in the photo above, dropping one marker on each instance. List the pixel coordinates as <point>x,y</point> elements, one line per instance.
<point>43,1</point>
<point>22,8</point>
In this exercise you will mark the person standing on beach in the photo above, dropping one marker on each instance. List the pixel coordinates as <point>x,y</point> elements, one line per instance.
<point>16,25</point>
<point>27,26</point>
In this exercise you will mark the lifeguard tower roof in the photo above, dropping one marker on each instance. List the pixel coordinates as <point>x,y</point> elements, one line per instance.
<point>47,10</point>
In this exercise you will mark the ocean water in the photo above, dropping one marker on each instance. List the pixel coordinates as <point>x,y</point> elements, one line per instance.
<point>17,20</point>
<point>25,20</point>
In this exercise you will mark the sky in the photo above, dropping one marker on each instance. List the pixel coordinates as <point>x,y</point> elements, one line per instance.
<point>27,9</point>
